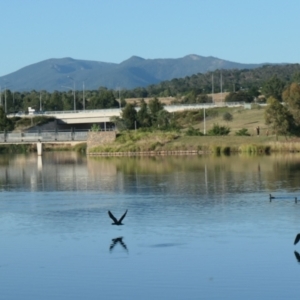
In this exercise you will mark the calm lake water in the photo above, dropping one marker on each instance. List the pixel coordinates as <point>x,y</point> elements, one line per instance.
<point>196,228</point>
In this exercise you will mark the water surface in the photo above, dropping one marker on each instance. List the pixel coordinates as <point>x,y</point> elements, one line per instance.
<point>196,228</point>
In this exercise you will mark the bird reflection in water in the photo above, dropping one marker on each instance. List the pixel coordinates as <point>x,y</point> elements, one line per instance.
<point>297,255</point>
<point>115,241</point>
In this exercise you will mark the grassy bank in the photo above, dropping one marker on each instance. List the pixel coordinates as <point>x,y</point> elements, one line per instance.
<point>175,142</point>
<point>157,141</point>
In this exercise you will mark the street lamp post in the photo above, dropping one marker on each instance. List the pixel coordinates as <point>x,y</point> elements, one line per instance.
<point>40,101</point>
<point>83,100</point>
<point>204,121</point>
<point>5,100</point>
<point>5,95</point>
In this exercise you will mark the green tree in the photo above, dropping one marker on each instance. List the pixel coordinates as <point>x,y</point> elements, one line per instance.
<point>163,119</point>
<point>291,96</point>
<point>143,115</point>
<point>9,101</point>
<point>273,88</point>
<point>296,77</point>
<point>129,115</point>
<point>119,123</point>
<point>278,117</point>
<point>103,99</point>
<point>67,101</point>
<point>155,106</point>
<point>55,102</point>
<point>5,123</point>
<point>240,96</point>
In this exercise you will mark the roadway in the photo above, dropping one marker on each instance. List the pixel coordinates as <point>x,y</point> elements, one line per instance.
<point>104,115</point>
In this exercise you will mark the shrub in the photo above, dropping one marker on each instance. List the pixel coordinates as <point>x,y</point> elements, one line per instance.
<point>219,130</point>
<point>227,116</point>
<point>95,128</point>
<point>243,132</point>
<point>193,131</point>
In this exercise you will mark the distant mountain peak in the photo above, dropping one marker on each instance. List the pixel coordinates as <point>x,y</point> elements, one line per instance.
<point>134,57</point>
<point>134,72</point>
<point>194,57</point>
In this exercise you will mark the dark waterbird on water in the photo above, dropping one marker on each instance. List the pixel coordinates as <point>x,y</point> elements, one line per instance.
<point>117,222</point>
<point>271,197</point>
<point>297,239</point>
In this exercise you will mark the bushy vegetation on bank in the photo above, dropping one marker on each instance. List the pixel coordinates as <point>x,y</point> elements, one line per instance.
<point>160,142</point>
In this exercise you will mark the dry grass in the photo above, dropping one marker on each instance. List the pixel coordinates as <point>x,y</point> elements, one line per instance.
<point>168,100</point>
<point>242,118</point>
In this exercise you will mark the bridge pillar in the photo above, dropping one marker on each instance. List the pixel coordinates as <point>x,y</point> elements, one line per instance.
<point>39,148</point>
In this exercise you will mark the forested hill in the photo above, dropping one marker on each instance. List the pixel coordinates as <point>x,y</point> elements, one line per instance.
<point>59,74</point>
<point>232,80</point>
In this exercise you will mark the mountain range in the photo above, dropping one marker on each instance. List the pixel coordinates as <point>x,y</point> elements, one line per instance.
<point>67,73</point>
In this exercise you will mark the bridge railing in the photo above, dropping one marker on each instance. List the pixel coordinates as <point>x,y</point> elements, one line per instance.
<point>116,111</point>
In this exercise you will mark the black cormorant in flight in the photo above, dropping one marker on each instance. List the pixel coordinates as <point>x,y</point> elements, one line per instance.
<point>117,222</point>
<point>297,239</point>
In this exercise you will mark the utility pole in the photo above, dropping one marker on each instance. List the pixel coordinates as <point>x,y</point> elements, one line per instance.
<point>221,86</point>
<point>204,130</point>
<point>83,100</point>
<point>212,87</point>
<point>5,101</point>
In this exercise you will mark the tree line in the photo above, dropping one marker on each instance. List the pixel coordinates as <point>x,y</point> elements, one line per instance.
<point>231,81</point>
<point>13,102</point>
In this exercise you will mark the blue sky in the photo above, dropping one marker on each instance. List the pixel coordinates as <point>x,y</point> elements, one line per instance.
<point>244,31</point>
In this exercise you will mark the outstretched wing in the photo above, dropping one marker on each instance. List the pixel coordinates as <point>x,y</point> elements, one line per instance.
<point>112,217</point>
<point>297,239</point>
<point>121,219</point>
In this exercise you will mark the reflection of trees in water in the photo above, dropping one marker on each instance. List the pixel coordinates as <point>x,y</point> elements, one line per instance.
<point>206,174</point>
<point>163,174</point>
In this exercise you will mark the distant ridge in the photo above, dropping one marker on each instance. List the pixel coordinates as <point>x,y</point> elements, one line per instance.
<point>56,73</point>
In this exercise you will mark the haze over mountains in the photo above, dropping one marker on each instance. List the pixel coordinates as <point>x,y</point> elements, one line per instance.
<point>61,74</point>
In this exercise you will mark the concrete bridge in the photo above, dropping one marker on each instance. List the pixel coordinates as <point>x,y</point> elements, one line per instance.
<point>104,115</point>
